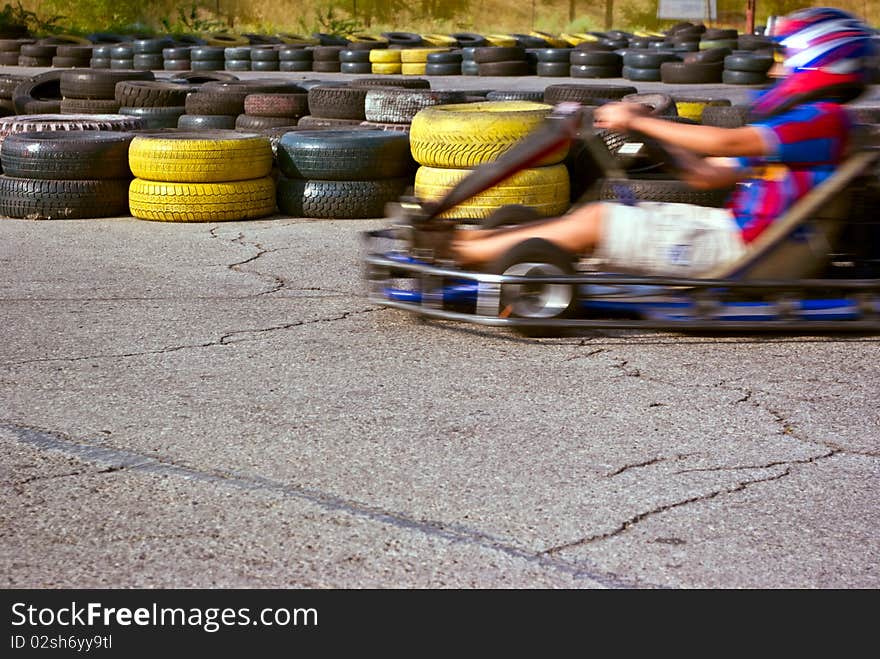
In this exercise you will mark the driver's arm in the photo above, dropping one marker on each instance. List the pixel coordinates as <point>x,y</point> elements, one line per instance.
<point>710,173</point>
<point>704,140</point>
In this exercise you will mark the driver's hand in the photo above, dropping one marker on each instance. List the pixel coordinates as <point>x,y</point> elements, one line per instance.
<point>618,116</point>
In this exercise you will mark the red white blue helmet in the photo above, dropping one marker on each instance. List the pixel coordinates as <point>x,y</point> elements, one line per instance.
<point>827,54</point>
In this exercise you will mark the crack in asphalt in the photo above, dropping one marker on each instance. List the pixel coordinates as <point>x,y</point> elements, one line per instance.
<point>647,463</point>
<point>278,282</point>
<point>636,519</point>
<point>224,340</point>
<point>123,460</point>
<point>778,463</point>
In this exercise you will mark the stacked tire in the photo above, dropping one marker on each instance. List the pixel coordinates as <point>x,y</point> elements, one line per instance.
<point>444,63</point>
<point>201,176</point>
<point>264,58</point>
<point>65,174</point>
<point>293,58</point>
<point>326,59</point>
<point>159,103</point>
<point>268,110</point>
<point>93,91</point>
<point>393,108</point>
<point>237,58</point>
<point>72,56</point>
<point>342,173</point>
<point>700,67</point>
<point>8,84</point>
<point>36,54</point>
<point>10,50</point>
<point>177,58</point>
<point>335,106</point>
<point>645,65</point>
<point>746,68</point>
<point>592,59</point>
<point>384,61</point>
<point>218,104</point>
<point>554,62</point>
<point>414,61</point>
<point>450,141</point>
<point>501,61</point>
<point>207,58</point>
<point>147,53</point>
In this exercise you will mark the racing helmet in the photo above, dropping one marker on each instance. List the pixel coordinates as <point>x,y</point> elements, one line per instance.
<point>826,57</point>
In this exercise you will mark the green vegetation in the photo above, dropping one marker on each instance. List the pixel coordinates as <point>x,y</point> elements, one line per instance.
<point>375,16</point>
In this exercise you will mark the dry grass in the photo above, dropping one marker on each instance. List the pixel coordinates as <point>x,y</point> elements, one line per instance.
<point>484,16</point>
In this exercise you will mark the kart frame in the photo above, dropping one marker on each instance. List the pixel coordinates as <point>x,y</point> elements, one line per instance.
<point>402,273</point>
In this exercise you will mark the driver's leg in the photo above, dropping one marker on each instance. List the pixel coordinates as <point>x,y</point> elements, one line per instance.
<point>576,232</point>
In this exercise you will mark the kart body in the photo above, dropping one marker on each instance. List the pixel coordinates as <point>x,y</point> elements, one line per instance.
<point>816,269</point>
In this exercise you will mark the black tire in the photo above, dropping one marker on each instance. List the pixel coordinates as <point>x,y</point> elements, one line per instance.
<point>587,71</point>
<point>295,55</point>
<point>88,106</point>
<point>355,67</point>
<point>201,77</point>
<point>389,81</point>
<point>236,53</point>
<point>555,55</point>
<point>285,65</point>
<point>121,52</point>
<point>51,199</point>
<point>536,257</point>
<point>682,73</point>
<point>469,68</point>
<point>346,155</point>
<point>177,52</point>
<point>398,105</point>
<point>99,63</point>
<point>176,65</point>
<point>449,57</point>
<point>264,55</point>
<point>706,56</point>
<point>596,58</point>
<point>408,39</point>
<point>642,75</point>
<point>237,65</point>
<point>658,188</point>
<point>41,51</point>
<point>508,68</point>
<point>469,39</point>
<point>8,58</point>
<point>207,65</point>
<point>66,155</point>
<point>206,121</point>
<point>88,83</point>
<point>732,116</point>
<point>311,121</point>
<point>499,54</point>
<point>515,95</point>
<point>510,215</point>
<point>156,117</point>
<point>24,60</point>
<point>152,93</point>
<point>553,69</point>
<point>263,65</point>
<point>153,46</point>
<point>59,62</point>
<point>8,83</point>
<point>327,53</point>
<point>122,64</point>
<point>338,102</point>
<point>350,55</point>
<point>744,78</point>
<point>251,122</point>
<point>437,69</point>
<point>751,63</point>
<point>210,53</point>
<point>338,199</point>
<point>585,94</point>
<point>648,59</point>
<point>147,61</point>
<point>326,66</point>
<point>35,95</point>
<point>207,102</point>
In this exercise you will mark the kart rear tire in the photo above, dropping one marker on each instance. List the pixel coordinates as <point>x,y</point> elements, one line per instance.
<point>539,257</point>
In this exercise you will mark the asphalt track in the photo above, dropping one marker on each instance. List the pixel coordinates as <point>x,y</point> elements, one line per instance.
<point>218,405</point>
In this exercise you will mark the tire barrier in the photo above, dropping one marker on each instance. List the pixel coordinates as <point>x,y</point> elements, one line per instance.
<point>693,107</point>
<point>400,105</point>
<point>369,167</point>
<point>51,175</point>
<point>461,136</point>
<point>201,176</point>
<point>543,189</point>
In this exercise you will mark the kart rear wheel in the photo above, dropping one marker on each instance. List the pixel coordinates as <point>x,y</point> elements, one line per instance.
<point>510,214</point>
<point>540,258</point>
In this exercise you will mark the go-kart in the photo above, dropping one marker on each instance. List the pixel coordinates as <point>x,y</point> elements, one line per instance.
<point>815,269</point>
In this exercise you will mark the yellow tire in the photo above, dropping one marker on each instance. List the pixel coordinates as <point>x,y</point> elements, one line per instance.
<point>545,189</point>
<point>576,38</point>
<point>228,39</point>
<point>552,40</point>
<point>193,157</point>
<point>366,38</point>
<point>440,40</point>
<point>505,40</point>
<point>470,134</point>
<point>386,69</point>
<point>413,69</point>
<point>202,202</point>
<point>384,56</point>
<point>693,109</point>
<point>419,55</point>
